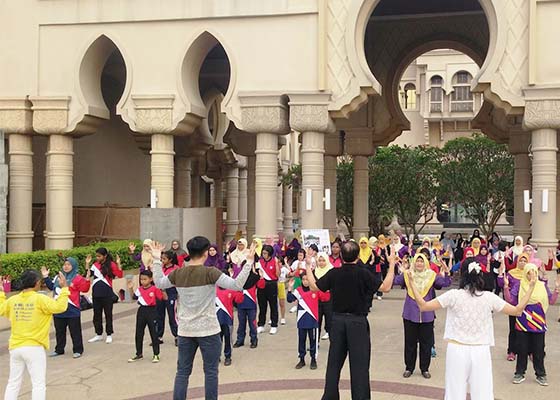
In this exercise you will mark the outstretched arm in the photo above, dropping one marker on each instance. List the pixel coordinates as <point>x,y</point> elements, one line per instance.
<point>516,311</point>
<point>388,281</point>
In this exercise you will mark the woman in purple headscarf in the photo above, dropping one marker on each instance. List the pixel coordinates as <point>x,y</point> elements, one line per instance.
<point>215,259</point>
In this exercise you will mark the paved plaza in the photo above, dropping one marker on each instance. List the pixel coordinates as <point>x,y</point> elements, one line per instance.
<point>103,371</point>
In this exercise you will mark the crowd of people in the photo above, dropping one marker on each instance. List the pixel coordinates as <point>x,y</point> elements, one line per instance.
<point>199,288</point>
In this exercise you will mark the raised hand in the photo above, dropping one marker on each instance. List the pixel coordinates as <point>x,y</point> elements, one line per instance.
<point>506,282</point>
<point>291,285</point>
<point>62,280</point>
<point>156,248</point>
<point>130,285</point>
<point>533,280</point>
<point>131,247</point>
<point>88,273</point>
<point>118,259</point>
<point>45,272</point>
<point>392,257</point>
<point>88,259</point>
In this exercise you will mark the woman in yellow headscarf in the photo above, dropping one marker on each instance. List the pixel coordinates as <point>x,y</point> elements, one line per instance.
<point>419,327</point>
<point>365,251</point>
<point>531,325</point>
<point>259,247</point>
<point>475,244</point>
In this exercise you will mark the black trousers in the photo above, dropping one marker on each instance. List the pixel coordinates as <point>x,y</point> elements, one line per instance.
<point>350,335</point>
<point>512,345</point>
<point>303,334</point>
<point>74,325</point>
<point>383,275</point>
<point>162,307</point>
<point>268,297</point>
<point>146,316</point>
<point>225,335</point>
<point>103,305</point>
<point>325,312</point>
<point>414,334</point>
<point>530,343</point>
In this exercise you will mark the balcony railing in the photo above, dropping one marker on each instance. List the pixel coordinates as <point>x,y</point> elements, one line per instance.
<point>435,107</point>
<point>461,106</point>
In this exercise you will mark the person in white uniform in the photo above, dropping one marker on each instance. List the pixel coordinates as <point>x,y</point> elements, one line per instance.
<point>469,331</point>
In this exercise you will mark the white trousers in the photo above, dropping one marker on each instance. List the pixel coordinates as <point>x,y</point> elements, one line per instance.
<point>34,359</point>
<point>468,367</point>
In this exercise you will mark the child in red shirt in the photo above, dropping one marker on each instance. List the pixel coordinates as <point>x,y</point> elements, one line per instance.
<point>146,294</point>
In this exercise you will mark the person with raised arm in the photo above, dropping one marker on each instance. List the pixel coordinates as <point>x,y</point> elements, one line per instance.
<point>196,311</point>
<point>469,330</point>
<point>351,287</point>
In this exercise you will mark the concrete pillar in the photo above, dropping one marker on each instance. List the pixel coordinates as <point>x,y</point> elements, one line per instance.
<point>20,234</point>
<point>521,182</point>
<point>288,207</point>
<point>361,197</point>
<point>183,182</point>
<point>330,183</point>
<point>163,169</point>
<point>59,185</point>
<point>217,198</point>
<point>243,200</point>
<point>251,164</point>
<point>232,221</point>
<point>544,148</point>
<point>195,190</point>
<point>279,204</point>
<point>266,178</point>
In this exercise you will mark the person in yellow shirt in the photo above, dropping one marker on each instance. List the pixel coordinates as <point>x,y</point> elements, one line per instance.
<point>30,314</point>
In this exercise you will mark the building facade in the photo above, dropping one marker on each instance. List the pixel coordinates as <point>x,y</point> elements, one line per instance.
<point>133,102</point>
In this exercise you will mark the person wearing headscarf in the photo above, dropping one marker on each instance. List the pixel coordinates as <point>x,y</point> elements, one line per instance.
<point>71,318</point>
<point>237,257</point>
<point>531,325</point>
<point>475,244</point>
<point>365,252</point>
<point>447,244</point>
<point>215,258</point>
<point>181,254</point>
<point>494,242</point>
<point>459,246</point>
<point>144,257</point>
<point>532,253</point>
<point>325,307</point>
<point>258,250</point>
<point>292,250</point>
<point>419,326</point>
<point>476,235</point>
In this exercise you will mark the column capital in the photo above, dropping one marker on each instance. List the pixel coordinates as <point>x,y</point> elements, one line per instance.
<point>16,115</point>
<point>542,107</point>
<point>309,112</point>
<point>263,112</point>
<point>155,114</point>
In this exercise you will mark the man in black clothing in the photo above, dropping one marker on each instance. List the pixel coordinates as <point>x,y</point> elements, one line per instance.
<point>350,288</point>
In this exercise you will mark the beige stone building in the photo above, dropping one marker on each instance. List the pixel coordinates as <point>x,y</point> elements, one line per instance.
<point>122,102</point>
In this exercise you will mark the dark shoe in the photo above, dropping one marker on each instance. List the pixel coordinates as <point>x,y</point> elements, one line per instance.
<point>135,358</point>
<point>518,378</point>
<point>426,375</point>
<point>541,380</point>
<point>254,344</point>
<point>300,364</point>
<point>227,361</point>
<point>237,344</point>
<point>407,374</point>
<point>313,364</point>
<point>160,340</point>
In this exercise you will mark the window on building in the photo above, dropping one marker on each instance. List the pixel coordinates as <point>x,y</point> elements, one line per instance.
<point>436,94</point>
<point>408,97</point>
<point>462,98</point>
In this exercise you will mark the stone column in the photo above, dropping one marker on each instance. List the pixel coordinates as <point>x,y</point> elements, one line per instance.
<point>243,200</point>
<point>195,190</point>
<point>309,115</point>
<point>59,178</point>
<point>279,205</point>
<point>251,163</point>
<point>330,183</point>
<point>183,182</point>
<point>218,193</point>
<point>361,197</point>
<point>542,118</point>
<point>288,206</point>
<point>16,119</point>
<point>232,221</point>
<point>163,169</point>
<point>519,147</point>
<point>267,117</point>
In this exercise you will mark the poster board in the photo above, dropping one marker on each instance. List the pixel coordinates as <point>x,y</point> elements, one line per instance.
<point>320,237</point>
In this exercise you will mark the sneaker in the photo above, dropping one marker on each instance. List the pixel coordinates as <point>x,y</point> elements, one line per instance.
<point>407,374</point>
<point>379,297</point>
<point>283,321</point>
<point>273,331</point>
<point>293,309</point>
<point>541,380</point>
<point>517,379</point>
<point>511,357</point>
<point>155,359</point>
<point>227,361</point>
<point>76,355</point>
<point>109,339</point>
<point>313,364</point>
<point>434,353</point>
<point>135,358</point>
<point>237,344</point>
<point>254,345</point>
<point>300,364</point>
<point>269,322</point>
<point>325,336</point>
<point>426,375</point>
<point>260,329</point>
<point>55,354</point>
<point>160,340</point>
<point>96,338</point>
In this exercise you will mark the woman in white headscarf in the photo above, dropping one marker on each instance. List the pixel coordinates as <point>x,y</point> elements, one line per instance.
<point>239,255</point>
<point>144,257</point>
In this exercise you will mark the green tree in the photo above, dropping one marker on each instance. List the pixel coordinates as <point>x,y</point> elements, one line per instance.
<point>477,173</point>
<point>381,207</point>
<point>345,193</point>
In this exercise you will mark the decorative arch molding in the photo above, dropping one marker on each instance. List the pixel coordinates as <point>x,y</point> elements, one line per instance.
<point>89,69</point>
<point>213,99</point>
<point>189,71</point>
